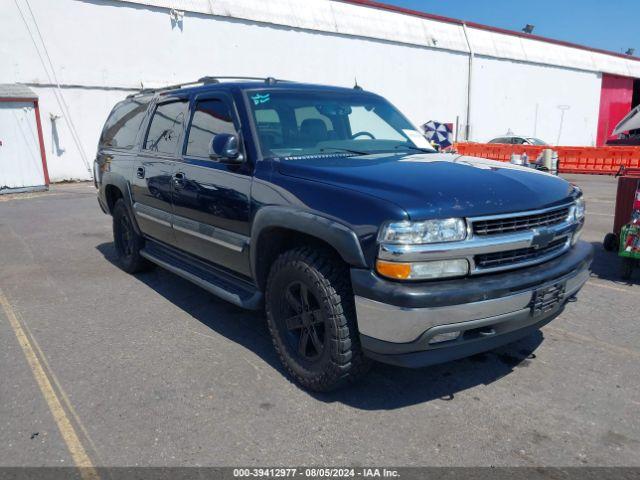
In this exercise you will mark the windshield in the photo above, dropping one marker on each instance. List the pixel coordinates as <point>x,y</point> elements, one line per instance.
<point>298,124</point>
<point>536,141</point>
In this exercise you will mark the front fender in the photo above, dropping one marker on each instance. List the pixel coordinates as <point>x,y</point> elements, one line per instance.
<point>340,237</point>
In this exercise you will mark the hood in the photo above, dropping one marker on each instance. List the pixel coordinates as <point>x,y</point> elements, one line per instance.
<point>436,185</point>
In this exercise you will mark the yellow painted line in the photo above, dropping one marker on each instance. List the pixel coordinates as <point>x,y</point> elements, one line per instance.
<point>65,399</point>
<point>69,435</point>
<point>624,351</point>
<point>610,287</point>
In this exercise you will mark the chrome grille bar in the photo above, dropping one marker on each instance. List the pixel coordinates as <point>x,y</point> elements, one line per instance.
<point>498,259</point>
<point>504,225</point>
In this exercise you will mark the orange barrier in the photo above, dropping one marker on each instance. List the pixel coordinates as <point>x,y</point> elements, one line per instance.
<point>593,160</point>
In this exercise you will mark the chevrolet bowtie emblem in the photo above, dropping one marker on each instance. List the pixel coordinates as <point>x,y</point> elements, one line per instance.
<point>542,238</point>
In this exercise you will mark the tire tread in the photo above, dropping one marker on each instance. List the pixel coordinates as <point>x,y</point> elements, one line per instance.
<point>332,278</point>
<point>137,263</point>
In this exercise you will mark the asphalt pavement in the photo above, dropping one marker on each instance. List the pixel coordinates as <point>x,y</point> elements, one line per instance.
<point>151,370</point>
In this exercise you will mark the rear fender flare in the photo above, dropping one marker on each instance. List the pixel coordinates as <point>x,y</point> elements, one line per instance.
<point>123,185</point>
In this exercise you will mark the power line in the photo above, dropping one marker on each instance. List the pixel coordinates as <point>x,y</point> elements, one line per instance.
<point>54,80</point>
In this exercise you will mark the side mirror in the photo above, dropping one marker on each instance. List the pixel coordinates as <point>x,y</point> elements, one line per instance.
<point>225,146</point>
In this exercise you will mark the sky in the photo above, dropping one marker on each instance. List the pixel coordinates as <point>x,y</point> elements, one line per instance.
<point>607,24</point>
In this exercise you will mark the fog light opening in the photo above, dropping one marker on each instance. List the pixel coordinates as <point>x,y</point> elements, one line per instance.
<point>445,337</point>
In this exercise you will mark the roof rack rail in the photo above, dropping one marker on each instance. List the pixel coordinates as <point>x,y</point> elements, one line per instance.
<point>206,81</point>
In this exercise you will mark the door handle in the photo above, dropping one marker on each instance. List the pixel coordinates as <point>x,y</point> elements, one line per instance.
<point>178,179</point>
<point>140,172</point>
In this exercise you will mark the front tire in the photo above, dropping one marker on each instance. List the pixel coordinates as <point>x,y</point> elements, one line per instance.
<point>127,241</point>
<point>312,321</point>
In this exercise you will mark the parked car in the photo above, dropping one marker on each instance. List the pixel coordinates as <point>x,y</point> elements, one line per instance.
<point>325,207</point>
<point>628,130</point>
<point>518,140</point>
<point>625,140</point>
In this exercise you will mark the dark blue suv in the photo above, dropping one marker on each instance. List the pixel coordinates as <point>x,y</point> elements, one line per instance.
<point>326,207</point>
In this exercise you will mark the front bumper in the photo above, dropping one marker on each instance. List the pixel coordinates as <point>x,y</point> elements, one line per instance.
<point>397,321</point>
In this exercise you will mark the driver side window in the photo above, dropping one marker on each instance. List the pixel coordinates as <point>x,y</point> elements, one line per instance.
<point>210,118</point>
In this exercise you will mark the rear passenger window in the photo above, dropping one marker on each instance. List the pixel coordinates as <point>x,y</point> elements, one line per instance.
<point>121,128</point>
<point>211,117</point>
<point>165,129</point>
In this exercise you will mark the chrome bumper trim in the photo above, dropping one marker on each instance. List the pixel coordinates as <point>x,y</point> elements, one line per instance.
<point>394,324</point>
<point>465,248</point>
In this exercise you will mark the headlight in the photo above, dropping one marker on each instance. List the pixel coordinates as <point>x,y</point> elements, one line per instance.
<point>579,209</point>
<point>423,270</point>
<point>429,231</point>
<point>576,212</point>
<point>577,216</point>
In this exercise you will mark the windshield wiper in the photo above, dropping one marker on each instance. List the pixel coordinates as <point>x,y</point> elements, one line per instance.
<point>411,147</point>
<point>348,150</point>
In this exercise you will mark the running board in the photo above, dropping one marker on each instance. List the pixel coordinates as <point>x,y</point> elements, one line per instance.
<point>214,280</point>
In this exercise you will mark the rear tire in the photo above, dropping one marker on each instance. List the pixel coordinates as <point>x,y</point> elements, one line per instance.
<point>312,321</point>
<point>127,241</point>
<point>610,242</point>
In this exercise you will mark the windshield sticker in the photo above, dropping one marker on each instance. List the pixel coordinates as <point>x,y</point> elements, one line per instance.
<point>417,139</point>
<point>259,99</point>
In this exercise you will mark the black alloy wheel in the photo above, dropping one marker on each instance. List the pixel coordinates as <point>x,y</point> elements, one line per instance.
<point>312,320</point>
<point>302,317</point>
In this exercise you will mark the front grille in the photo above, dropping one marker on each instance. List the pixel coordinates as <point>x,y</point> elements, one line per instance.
<point>513,257</point>
<point>502,225</point>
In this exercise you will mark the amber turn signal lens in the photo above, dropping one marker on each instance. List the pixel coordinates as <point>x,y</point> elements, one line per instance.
<point>400,271</point>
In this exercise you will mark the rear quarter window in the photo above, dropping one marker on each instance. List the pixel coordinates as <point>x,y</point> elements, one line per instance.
<point>121,128</point>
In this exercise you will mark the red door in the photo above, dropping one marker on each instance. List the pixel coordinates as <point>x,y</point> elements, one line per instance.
<point>615,103</point>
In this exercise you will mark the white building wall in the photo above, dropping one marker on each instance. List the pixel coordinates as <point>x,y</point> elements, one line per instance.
<point>106,47</point>
<point>558,105</point>
<point>118,44</point>
<point>88,108</point>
